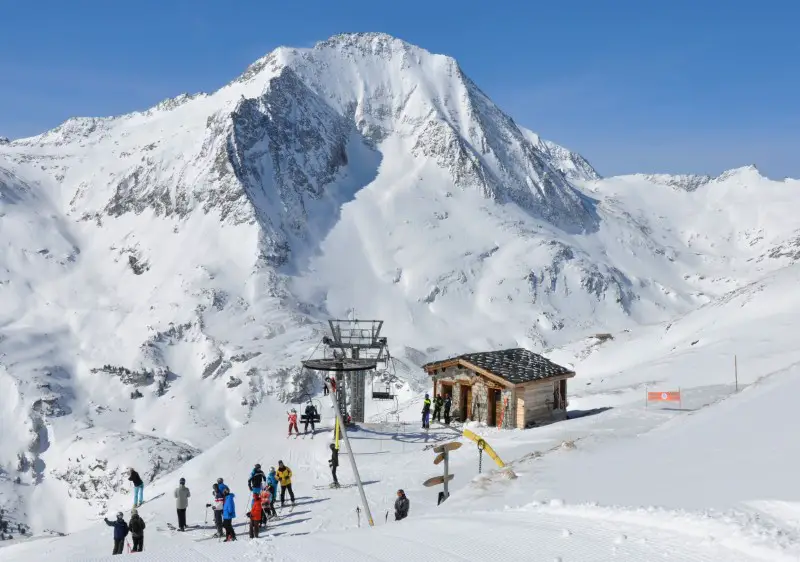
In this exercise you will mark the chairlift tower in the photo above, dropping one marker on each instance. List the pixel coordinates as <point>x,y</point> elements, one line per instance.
<point>353,350</point>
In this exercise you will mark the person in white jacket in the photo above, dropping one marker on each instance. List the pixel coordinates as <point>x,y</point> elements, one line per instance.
<point>182,495</point>
<point>219,502</point>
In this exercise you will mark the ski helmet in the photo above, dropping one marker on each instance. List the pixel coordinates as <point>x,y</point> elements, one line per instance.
<point>258,466</point>
<point>219,480</point>
<point>272,469</point>
<point>120,515</point>
<point>134,511</point>
<point>182,481</point>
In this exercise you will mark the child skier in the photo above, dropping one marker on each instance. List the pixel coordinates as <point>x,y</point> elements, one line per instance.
<point>266,505</point>
<point>272,486</point>
<point>255,516</point>
<point>293,422</point>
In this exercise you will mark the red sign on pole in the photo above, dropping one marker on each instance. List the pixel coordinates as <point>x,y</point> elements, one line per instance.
<point>671,396</point>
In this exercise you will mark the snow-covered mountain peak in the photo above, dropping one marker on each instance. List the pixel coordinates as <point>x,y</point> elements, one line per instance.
<point>372,43</point>
<point>686,182</point>
<point>743,173</point>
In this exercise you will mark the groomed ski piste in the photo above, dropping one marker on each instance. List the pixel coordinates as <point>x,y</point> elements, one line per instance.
<point>711,480</point>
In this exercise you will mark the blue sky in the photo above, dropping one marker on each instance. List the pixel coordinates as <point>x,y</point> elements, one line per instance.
<point>635,86</point>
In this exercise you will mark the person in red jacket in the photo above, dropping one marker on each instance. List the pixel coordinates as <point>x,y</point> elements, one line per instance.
<point>293,422</point>
<point>255,516</point>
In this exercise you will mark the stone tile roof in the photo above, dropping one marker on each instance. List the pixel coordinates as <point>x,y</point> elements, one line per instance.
<point>517,365</point>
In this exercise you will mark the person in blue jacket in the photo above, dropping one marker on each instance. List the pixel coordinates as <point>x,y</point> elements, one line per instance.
<point>272,484</point>
<point>120,531</point>
<point>228,514</point>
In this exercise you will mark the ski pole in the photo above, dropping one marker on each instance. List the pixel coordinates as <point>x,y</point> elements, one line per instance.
<point>358,514</point>
<point>386,520</point>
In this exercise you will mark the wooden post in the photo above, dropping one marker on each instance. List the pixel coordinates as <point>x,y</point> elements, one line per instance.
<point>446,471</point>
<point>736,372</point>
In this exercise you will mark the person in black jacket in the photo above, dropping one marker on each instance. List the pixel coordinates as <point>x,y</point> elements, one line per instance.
<point>138,488</point>
<point>311,413</point>
<point>437,407</point>
<point>257,478</point>
<point>334,463</point>
<point>448,402</point>
<point>401,505</point>
<point>120,532</point>
<point>136,526</point>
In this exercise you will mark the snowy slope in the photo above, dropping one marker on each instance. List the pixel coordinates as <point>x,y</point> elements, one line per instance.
<point>664,483</point>
<point>162,273</point>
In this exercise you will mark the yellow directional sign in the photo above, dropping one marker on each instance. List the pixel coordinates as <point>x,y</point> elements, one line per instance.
<point>452,446</point>
<point>439,458</point>
<point>437,480</point>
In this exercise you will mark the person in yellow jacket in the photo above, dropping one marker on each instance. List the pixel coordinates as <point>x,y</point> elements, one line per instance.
<point>426,412</point>
<point>284,474</point>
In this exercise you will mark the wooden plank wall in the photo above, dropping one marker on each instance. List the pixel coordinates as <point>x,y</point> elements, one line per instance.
<point>536,397</point>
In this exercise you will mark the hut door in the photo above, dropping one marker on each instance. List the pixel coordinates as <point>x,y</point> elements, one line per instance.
<point>492,397</point>
<point>560,395</point>
<point>465,399</point>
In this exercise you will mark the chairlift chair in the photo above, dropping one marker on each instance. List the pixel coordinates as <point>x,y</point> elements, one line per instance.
<point>382,394</point>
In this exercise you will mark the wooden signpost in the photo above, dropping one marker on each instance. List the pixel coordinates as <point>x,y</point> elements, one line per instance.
<point>437,480</point>
<point>444,455</point>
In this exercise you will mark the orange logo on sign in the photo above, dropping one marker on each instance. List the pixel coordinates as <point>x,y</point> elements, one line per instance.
<point>673,396</point>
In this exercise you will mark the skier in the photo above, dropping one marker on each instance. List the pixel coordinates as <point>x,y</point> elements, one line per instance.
<point>255,515</point>
<point>334,463</point>
<point>272,486</point>
<point>138,488</point>
<point>311,413</point>
<point>284,475</point>
<point>437,408</point>
<point>401,505</point>
<point>136,527</point>
<point>293,422</point>
<point>222,485</point>
<point>426,412</point>
<point>447,403</point>
<point>257,478</point>
<point>120,531</point>
<point>228,514</point>
<point>217,506</point>
<point>182,495</point>
<point>266,502</point>
<point>325,386</point>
